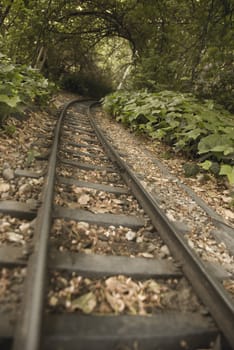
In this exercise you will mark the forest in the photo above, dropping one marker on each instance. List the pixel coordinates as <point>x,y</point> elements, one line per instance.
<point>176,56</point>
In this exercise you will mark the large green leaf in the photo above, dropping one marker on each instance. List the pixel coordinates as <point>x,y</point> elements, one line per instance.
<point>206,165</point>
<point>227,170</point>
<point>215,143</point>
<point>10,101</point>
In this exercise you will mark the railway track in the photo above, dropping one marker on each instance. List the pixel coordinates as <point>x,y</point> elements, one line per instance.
<point>85,280</point>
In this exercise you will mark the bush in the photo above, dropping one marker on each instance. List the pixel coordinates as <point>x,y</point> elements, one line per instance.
<point>198,129</point>
<point>20,85</point>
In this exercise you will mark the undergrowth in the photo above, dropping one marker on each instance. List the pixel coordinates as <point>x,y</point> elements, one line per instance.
<point>200,129</point>
<point>20,85</point>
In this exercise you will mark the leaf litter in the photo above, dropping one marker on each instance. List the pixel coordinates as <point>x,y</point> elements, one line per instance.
<point>118,295</point>
<point>97,201</point>
<point>116,240</point>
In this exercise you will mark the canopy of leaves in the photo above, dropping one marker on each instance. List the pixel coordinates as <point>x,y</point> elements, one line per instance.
<point>186,45</point>
<point>193,127</point>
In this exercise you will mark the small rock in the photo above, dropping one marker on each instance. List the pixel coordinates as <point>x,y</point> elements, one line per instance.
<point>24,227</point>
<point>32,182</point>
<point>164,251</point>
<point>5,196</point>
<point>6,165</point>
<point>147,255</point>
<point>32,202</point>
<point>151,248</point>
<point>5,226</point>
<point>8,174</point>
<point>25,188</point>
<point>139,239</point>
<point>226,199</point>
<point>228,214</point>
<point>170,216</point>
<point>130,235</point>
<point>191,244</point>
<point>4,187</point>
<point>182,227</point>
<point>14,237</point>
<point>53,301</point>
<point>82,227</point>
<point>84,199</point>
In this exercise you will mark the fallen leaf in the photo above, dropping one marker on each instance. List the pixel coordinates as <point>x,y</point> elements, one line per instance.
<point>85,302</point>
<point>99,210</point>
<point>53,301</point>
<point>84,199</point>
<point>117,201</point>
<point>77,190</point>
<point>229,214</point>
<point>4,187</point>
<point>116,303</point>
<point>152,286</point>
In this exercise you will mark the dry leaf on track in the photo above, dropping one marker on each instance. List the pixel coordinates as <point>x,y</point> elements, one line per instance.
<point>84,199</point>
<point>85,302</point>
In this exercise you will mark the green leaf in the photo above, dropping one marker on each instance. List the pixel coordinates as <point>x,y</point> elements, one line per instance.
<point>193,134</point>
<point>206,165</point>
<point>10,101</point>
<point>85,302</point>
<point>225,149</point>
<point>32,154</point>
<point>228,150</point>
<point>227,170</point>
<point>214,143</point>
<point>159,134</point>
<point>7,68</point>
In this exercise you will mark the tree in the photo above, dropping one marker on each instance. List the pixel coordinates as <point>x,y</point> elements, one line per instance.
<point>184,45</point>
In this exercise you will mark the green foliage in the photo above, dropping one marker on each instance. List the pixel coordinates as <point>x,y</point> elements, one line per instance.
<point>8,130</point>
<point>32,154</point>
<point>228,170</point>
<point>191,169</point>
<point>182,121</point>
<point>184,46</point>
<point>19,86</point>
<point>188,46</point>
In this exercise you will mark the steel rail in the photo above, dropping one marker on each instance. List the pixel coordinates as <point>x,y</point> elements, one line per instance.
<point>210,291</point>
<point>29,322</point>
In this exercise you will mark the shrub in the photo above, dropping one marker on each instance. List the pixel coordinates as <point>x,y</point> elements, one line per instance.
<point>200,129</point>
<point>20,85</point>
